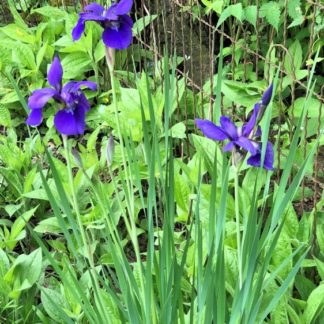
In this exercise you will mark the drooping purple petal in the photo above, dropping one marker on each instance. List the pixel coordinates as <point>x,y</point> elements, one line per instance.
<point>249,126</point>
<point>74,86</point>
<point>70,122</point>
<point>88,84</point>
<point>78,30</point>
<point>267,95</point>
<point>40,97</point>
<point>55,74</point>
<point>119,38</point>
<point>228,147</point>
<point>255,160</point>
<point>228,127</point>
<point>35,117</point>
<point>95,8</point>
<point>210,130</point>
<point>246,144</point>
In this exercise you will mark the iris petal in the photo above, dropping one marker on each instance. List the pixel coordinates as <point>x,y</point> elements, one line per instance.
<point>229,127</point>
<point>88,16</point>
<point>74,86</point>
<point>40,97</point>
<point>95,8</point>
<point>210,130</point>
<point>124,7</point>
<point>35,117</point>
<point>119,39</point>
<point>249,126</point>
<point>78,30</point>
<point>246,144</point>
<point>255,160</point>
<point>55,73</point>
<point>70,122</point>
<point>267,95</point>
<point>228,147</point>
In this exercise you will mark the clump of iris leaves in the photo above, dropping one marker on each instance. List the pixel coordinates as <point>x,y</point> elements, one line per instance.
<point>105,222</point>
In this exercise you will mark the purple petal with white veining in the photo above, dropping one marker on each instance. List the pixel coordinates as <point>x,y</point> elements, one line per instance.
<point>119,38</point>
<point>55,74</point>
<point>78,30</point>
<point>229,127</point>
<point>35,117</point>
<point>210,130</point>
<point>246,144</point>
<point>88,16</point>
<point>40,97</point>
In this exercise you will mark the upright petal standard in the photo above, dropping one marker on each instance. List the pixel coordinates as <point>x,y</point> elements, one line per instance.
<point>115,21</point>
<point>73,104</point>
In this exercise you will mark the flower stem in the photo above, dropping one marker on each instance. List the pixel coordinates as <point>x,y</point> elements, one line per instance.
<point>130,223</point>
<point>85,241</point>
<point>238,231</point>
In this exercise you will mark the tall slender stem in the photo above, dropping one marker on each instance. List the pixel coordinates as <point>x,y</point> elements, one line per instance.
<point>86,245</point>
<point>238,231</point>
<point>130,223</point>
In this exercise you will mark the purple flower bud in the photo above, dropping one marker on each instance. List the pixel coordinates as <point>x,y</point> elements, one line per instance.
<point>267,96</point>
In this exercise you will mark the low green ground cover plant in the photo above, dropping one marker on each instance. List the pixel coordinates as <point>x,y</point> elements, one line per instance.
<point>104,221</point>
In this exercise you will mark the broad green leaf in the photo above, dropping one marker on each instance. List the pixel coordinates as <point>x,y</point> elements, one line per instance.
<point>75,64</point>
<point>235,10</point>
<point>215,5</point>
<point>40,55</point>
<point>24,55</point>
<point>294,8</point>
<point>54,304</point>
<point>24,272</point>
<point>314,107</point>
<point>5,119</point>
<point>48,225</point>
<point>50,12</point>
<point>17,33</point>
<point>18,226</point>
<point>141,23</point>
<point>178,130</point>
<point>271,12</point>
<point>293,60</point>
<point>315,304</point>
<point>250,14</point>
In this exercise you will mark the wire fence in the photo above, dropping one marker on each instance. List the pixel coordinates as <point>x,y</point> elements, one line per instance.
<point>183,27</point>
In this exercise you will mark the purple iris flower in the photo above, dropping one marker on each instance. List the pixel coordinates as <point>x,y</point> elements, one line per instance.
<point>70,119</point>
<point>242,138</point>
<point>117,24</point>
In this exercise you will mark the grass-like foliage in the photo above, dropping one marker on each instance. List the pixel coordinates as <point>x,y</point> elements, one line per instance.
<point>118,210</point>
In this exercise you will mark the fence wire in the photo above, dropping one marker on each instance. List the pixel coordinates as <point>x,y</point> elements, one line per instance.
<point>183,29</point>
